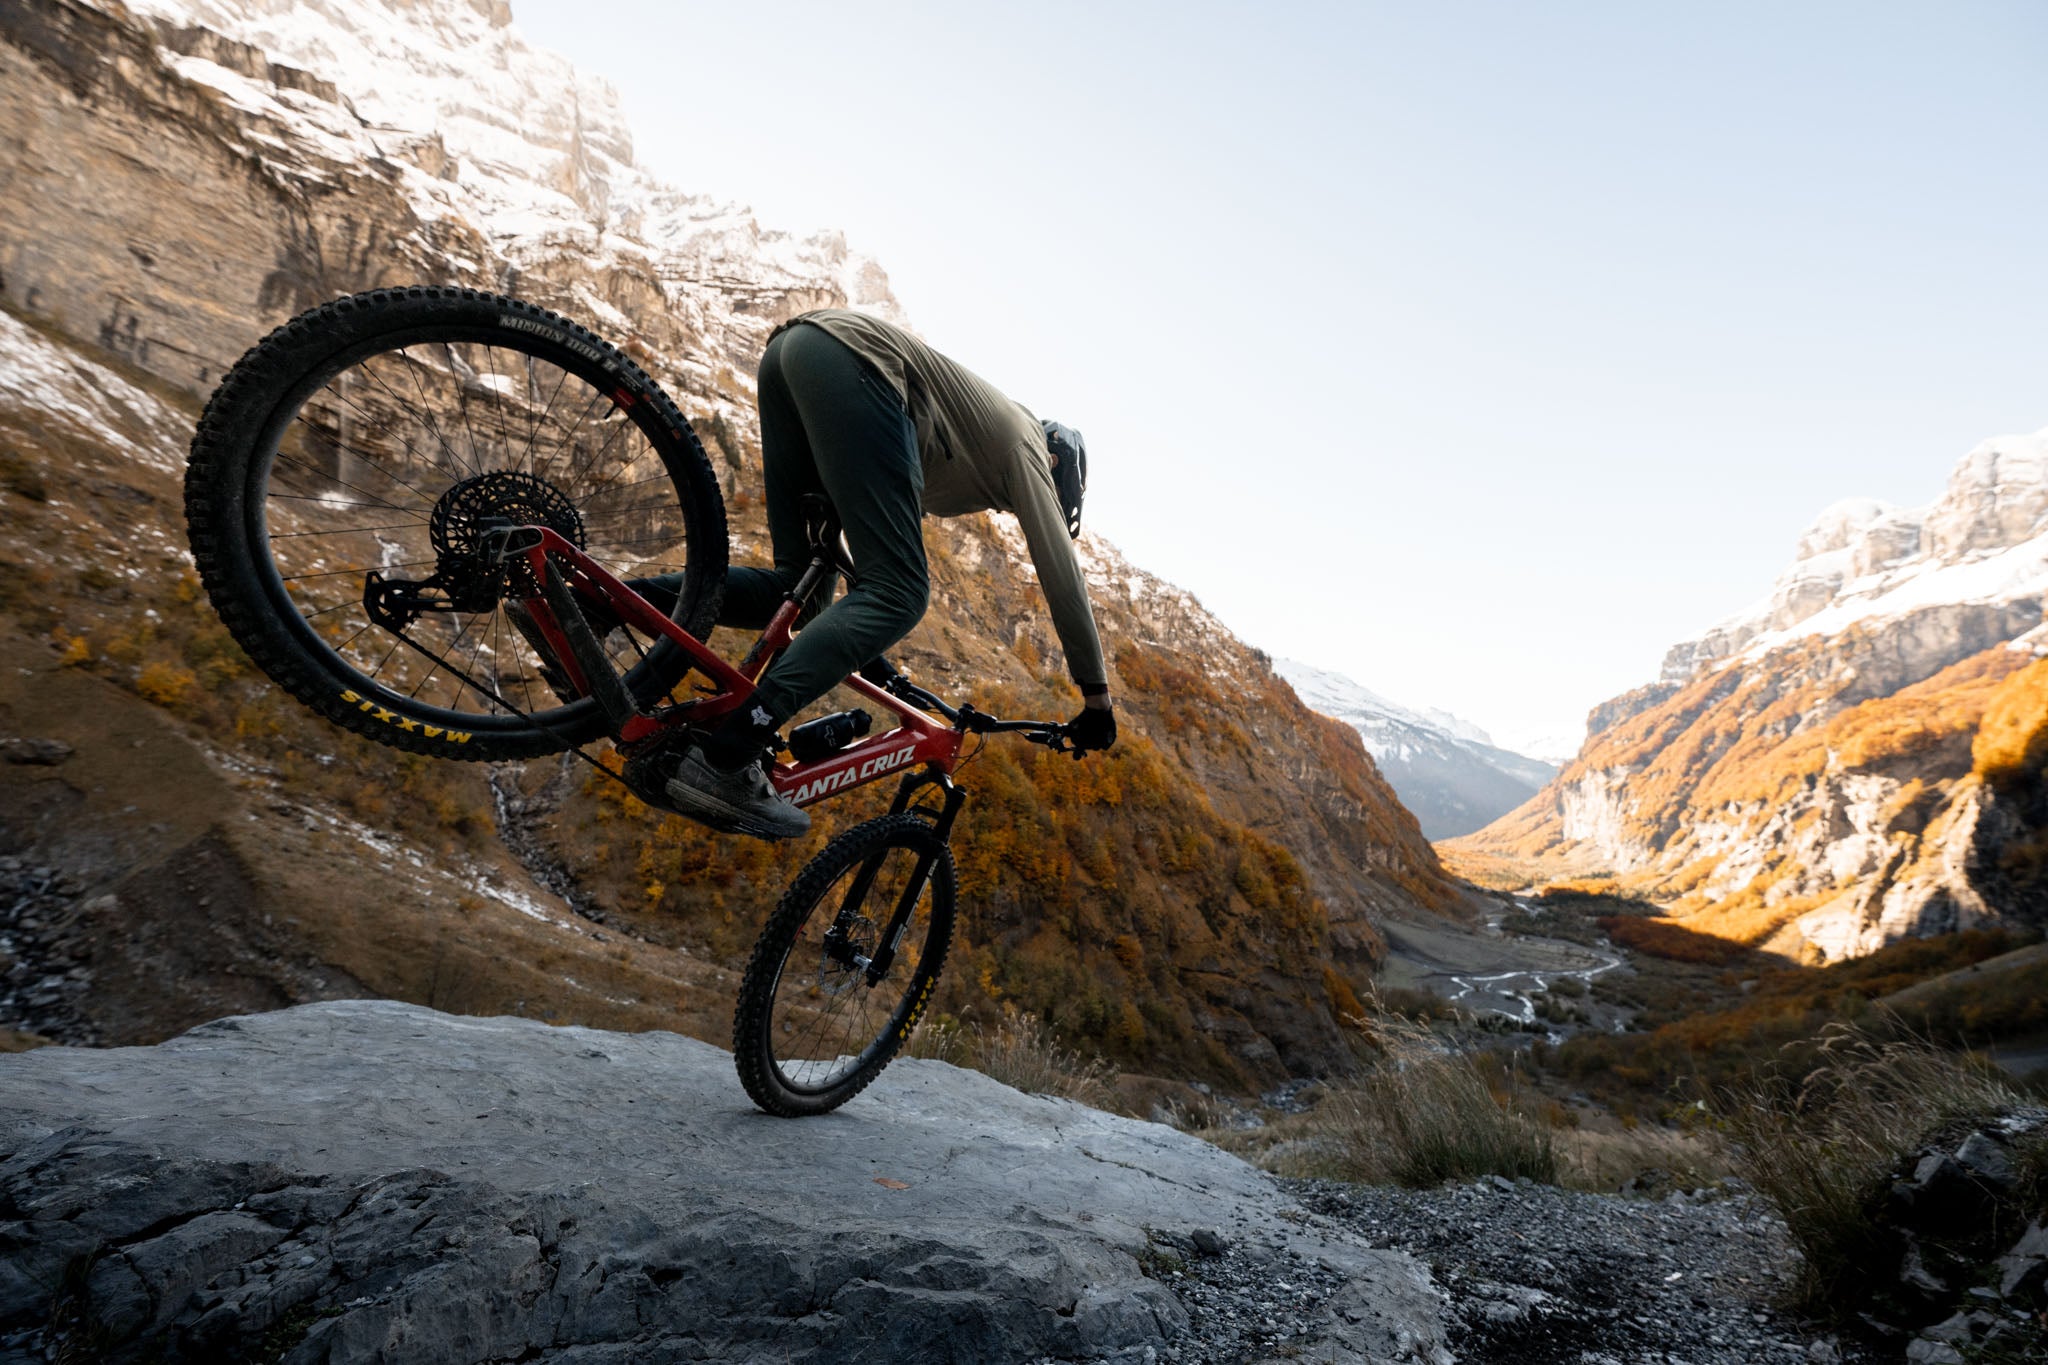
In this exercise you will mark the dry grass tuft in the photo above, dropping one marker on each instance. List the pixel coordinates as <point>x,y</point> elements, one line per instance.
<point>1421,1114</point>
<point>1418,1113</point>
<point>1821,1151</point>
<point>1022,1053</point>
<point>1603,1160</point>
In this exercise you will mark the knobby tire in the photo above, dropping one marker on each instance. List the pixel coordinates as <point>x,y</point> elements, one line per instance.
<point>785,960</point>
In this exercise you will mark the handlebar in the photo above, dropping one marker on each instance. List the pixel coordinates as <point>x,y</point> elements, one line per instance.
<point>1051,733</point>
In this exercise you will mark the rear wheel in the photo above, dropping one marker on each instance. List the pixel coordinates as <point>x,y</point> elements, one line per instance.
<point>815,1022</point>
<point>347,468</point>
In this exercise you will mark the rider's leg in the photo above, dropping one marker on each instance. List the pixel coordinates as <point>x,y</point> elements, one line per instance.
<point>789,471</point>
<point>828,425</point>
<point>864,455</point>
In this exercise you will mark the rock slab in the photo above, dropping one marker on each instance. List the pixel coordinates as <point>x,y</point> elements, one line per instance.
<point>365,1180</point>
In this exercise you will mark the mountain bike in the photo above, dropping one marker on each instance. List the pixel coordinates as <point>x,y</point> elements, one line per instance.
<point>418,511</point>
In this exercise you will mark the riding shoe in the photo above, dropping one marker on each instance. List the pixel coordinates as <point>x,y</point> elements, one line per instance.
<point>737,801</point>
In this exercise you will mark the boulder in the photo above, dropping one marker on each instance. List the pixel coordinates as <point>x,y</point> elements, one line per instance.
<point>365,1180</point>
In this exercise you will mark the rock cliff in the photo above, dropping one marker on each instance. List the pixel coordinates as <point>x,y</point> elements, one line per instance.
<point>1856,759</point>
<point>182,176</point>
<point>370,1181</point>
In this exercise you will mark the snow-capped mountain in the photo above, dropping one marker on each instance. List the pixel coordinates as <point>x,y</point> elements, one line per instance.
<point>505,136</point>
<point>1983,542</point>
<point>1446,769</point>
<point>1856,758</point>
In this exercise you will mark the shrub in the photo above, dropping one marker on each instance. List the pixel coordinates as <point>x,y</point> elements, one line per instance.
<point>165,684</point>
<point>1020,1051</point>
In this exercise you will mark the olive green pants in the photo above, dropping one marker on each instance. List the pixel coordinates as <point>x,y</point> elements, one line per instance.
<point>830,425</point>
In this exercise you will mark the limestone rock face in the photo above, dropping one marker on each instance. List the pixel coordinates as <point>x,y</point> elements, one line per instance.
<point>1983,542</point>
<point>191,174</point>
<point>1803,772</point>
<point>366,1181</point>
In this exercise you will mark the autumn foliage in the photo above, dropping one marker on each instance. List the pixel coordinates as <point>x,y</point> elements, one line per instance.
<point>1723,790</point>
<point>2011,745</point>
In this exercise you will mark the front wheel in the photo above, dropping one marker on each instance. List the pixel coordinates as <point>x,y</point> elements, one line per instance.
<point>845,966</point>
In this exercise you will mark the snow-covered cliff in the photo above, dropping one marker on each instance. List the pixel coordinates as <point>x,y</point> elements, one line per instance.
<point>1982,544</point>
<point>1446,769</point>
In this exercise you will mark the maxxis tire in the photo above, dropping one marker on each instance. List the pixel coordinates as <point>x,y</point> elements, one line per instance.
<point>753,1018</point>
<point>260,396</point>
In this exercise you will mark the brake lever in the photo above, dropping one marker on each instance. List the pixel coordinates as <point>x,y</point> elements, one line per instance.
<point>1056,740</point>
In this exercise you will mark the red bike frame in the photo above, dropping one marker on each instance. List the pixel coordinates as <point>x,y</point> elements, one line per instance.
<point>918,739</point>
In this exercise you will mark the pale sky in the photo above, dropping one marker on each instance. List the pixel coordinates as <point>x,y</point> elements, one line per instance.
<point>1478,351</point>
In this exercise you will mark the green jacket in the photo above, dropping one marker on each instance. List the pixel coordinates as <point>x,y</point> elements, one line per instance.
<point>981,452</point>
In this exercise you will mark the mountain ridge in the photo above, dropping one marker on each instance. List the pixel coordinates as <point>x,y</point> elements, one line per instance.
<point>1820,773</point>
<point>1445,769</point>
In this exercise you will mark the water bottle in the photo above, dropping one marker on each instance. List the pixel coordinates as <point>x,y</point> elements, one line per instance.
<point>815,739</point>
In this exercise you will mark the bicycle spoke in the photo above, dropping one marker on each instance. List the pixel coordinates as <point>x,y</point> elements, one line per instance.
<point>356,568</point>
<point>475,654</point>
<point>462,402</point>
<point>453,646</point>
<point>427,409</point>
<point>331,478</point>
<point>491,359</point>
<point>379,428</point>
<point>346,530</point>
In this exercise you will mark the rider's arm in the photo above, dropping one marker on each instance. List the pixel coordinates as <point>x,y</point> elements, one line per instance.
<point>1037,505</point>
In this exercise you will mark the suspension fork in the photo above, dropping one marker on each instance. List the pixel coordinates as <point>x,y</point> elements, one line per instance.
<point>856,895</point>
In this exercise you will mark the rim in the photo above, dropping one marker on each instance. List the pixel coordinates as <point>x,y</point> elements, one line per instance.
<point>824,1021</point>
<point>394,435</point>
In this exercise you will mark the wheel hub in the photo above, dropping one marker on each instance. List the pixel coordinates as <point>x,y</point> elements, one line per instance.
<point>845,953</point>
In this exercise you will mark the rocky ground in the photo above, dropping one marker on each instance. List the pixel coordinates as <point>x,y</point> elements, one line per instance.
<point>43,971</point>
<point>1528,1275</point>
<point>1537,1275</point>
<point>350,1180</point>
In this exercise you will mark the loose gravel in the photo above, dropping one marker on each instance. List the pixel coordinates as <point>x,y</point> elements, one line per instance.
<point>1531,1275</point>
<point>43,972</point>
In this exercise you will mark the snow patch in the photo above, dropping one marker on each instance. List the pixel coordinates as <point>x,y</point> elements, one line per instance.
<point>56,383</point>
<point>1983,541</point>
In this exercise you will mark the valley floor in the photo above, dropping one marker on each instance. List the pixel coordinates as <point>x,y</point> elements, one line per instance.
<point>1486,970</point>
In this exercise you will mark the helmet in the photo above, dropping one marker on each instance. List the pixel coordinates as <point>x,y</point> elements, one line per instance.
<point>1070,476</point>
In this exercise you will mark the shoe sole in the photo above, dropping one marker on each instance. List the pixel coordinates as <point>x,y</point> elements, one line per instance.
<point>708,809</point>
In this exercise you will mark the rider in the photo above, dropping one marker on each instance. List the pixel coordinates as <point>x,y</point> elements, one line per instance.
<point>887,429</point>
